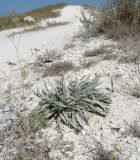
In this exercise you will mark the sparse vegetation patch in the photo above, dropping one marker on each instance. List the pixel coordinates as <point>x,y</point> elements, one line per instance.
<point>104,52</point>
<point>69,46</point>
<point>86,63</point>
<point>57,68</point>
<point>132,128</point>
<point>120,18</point>
<point>93,149</point>
<point>134,87</point>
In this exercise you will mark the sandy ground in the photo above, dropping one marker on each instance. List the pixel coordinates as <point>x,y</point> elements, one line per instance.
<point>50,38</point>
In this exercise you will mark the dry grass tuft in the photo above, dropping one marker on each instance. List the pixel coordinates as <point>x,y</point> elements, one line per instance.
<point>136,91</point>
<point>133,128</point>
<point>69,46</point>
<point>26,142</point>
<point>104,52</point>
<point>96,52</point>
<point>131,50</point>
<point>86,63</point>
<point>102,154</point>
<point>134,87</point>
<point>93,149</point>
<point>40,65</point>
<point>20,141</point>
<point>57,68</point>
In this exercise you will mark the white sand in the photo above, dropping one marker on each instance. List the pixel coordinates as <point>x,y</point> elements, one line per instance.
<point>50,38</point>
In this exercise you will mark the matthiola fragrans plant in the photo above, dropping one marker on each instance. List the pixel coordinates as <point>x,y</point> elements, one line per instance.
<point>68,104</point>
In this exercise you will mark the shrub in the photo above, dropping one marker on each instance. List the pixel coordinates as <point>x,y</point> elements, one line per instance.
<point>90,24</point>
<point>68,104</point>
<point>121,17</point>
<point>58,67</point>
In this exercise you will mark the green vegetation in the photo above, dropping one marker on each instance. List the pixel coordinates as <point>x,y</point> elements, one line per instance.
<point>16,20</point>
<point>120,18</point>
<point>68,105</point>
<point>116,19</point>
<point>89,24</point>
<point>48,11</point>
